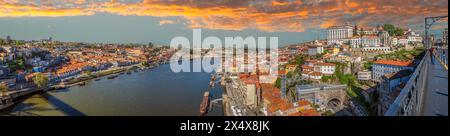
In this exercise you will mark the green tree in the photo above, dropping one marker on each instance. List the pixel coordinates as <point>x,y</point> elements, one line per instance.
<point>278,83</point>
<point>18,43</point>
<point>300,60</point>
<point>145,64</point>
<point>3,88</point>
<point>392,30</point>
<point>328,113</point>
<point>368,65</point>
<point>328,79</point>
<point>289,74</point>
<point>89,73</point>
<point>325,79</point>
<point>2,42</point>
<point>399,32</point>
<point>40,80</point>
<point>292,92</point>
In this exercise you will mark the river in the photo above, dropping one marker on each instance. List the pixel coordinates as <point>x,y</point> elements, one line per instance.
<point>154,92</point>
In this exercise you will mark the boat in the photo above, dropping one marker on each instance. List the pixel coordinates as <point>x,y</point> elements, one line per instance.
<point>129,72</point>
<point>82,84</point>
<point>213,79</point>
<point>205,104</point>
<point>112,77</point>
<point>98,79</point>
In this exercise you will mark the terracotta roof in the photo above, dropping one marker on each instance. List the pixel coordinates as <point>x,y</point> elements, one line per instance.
<point>311,61</point>
<point>316,74</point>
<point>250,79</point>
<point>291,66</point>
<point>394,63</point>
<point>282,72</point>
<point>71,67</point>
<point>326,64</point>
<point>307,67</point>
<point>306,72</point>
<point>302,103</point>
<point>310,112</point>
<point>295,114</point>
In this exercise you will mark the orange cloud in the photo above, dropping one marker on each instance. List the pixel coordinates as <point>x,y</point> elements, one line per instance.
<point>264,15</point>
<point>166,22</point>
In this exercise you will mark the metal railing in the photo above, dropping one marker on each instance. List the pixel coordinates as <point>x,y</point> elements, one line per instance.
<point>409,101</point>
<point>441,54</point>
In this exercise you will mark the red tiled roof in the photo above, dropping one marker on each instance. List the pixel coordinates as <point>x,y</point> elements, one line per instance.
<point>316,74</point>
<point>306,67</point>
<point>310,112</point>
<point>394,63</point>
<point>250,79</point>
<point>302,103</point>
<point>326,64</point>
<point>282,72</point>
<point>311,61</point>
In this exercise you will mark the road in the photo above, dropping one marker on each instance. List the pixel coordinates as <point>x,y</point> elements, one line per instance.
<point>436,93</point>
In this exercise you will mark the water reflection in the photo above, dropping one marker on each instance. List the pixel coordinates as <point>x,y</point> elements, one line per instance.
<point>155,92</point>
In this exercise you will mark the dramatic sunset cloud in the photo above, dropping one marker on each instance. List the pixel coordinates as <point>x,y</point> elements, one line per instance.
<point>264,15</point>
<point>166,22</point>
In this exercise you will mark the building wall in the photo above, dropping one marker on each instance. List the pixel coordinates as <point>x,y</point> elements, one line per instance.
<point>387,87</point>
<point>379,70</point>
<point>364,75</point>
<point>322,95</point>
<point>315,50</point>
<point>328,70</point>
<point>337,33</point>
<point>250,98</point>
<point>364,41</point>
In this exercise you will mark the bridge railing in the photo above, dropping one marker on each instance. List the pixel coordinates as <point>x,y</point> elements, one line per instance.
<point>409,101</point>
<point>441,54</point>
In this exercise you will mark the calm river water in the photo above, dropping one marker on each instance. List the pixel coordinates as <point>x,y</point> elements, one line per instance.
<point>155,92</point>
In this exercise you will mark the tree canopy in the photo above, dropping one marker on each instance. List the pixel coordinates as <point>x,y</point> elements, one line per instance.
<point>40,80</point>
<point>392,30</point>
<point>3,87</point>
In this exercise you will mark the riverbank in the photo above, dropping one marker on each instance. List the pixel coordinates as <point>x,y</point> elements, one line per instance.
<point>10,99</point>
<point>81,79</point>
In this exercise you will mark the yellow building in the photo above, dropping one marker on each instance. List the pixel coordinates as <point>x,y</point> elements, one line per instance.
<point>335,51</point>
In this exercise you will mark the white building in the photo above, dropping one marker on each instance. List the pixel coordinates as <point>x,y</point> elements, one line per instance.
<point>315,50</point>
<point>394,41</point>
<point>364,75</point>
<point>315,75</point>
<point>415,39</point>
<point>336,34</point>
<point>325,68</point>
<point>365,41</point>
<point>384,37</point>
<point>385,49</point>
<point>403,41</point>
<point>367,32</point>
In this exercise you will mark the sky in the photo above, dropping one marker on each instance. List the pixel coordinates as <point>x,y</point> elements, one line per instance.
<point>158,21</point>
